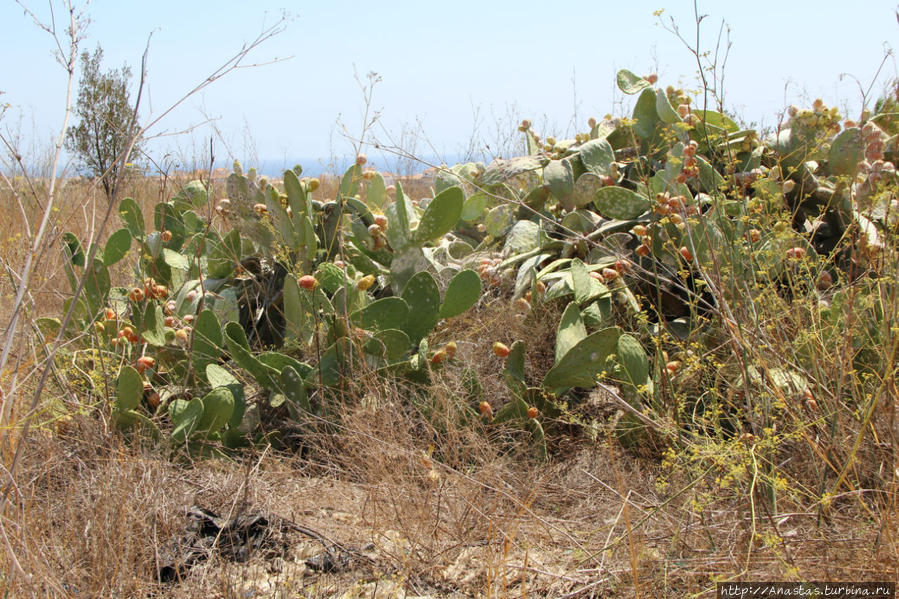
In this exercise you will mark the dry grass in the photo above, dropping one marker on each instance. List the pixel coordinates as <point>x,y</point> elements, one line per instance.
<point>438,502</point>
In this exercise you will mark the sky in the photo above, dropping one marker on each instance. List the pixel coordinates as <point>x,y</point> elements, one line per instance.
<point>454,77</point>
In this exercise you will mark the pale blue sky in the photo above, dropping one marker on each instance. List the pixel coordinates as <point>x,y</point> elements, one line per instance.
<point>461,69</point>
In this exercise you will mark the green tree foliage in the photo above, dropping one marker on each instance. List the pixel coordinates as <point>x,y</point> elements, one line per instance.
<point>106,120</point>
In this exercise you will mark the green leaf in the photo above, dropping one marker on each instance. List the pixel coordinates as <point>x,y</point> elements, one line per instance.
<point>581,281</point>
<point>585,189</point>
<point>385,313</point>
<point>117,247</point>
<point>207,341</point>
<point>174,259</point>
<point>236,339</point>
<point>129,389</point>
<point>709,179</point>
<point>219,377</point>
<point>645,114</point>
<point>717,120</point>
<point>463,291</point>
<point>396,343</point>
<point>349,183</point>
<point>441,215</point>
<point>559,175</point>
<point>630,83</point>
<point>502,170</point>
<point>295,388</point>
<point>571,331</point>
<point>404,265</point>
<point>423,298</point>
<point>74,249</point>
<point>665,110</point>
<point>524,237</point>
<point>597,156</point>
<point>131,215</point>
<point>218,405</point>
<point>846,151</point>
<point>474,206</point>
<point>400,215</point>
<point>580,365</point>
<point>513,373</point>
<point>619,203</point>
<point>185,415</point>
<point>634,361</point>
<point>224,255</point>
<point>154,325</point>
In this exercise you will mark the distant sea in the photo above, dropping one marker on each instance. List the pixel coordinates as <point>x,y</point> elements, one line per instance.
<point>313,167</point>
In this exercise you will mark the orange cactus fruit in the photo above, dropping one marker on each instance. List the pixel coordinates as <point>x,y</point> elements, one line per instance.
<point>365,282</point>
<point>136,295</point>
<point>308,282</point>
<point>796,253</point>
<point>153,400</point>
<point>438,357</point>
<point>501,349</point>
<point>686,254</point>
<point>533,412</point>
<point>450,349</point>
<point>485,410</point>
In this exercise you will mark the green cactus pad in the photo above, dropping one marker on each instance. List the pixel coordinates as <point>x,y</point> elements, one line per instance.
<point>185,416</point>
<point>295,388</point>
<point>218,405</point>
<point>665,110</point>
<point>571,331</point>
<point>709,179</point>
<point>116,247</point>
<point>630,83</point>
<point>559,175</point>
<point>581,364</point>
<point>395,342</point>
<point>129,389</point>
<point>154,325</point>
<point>236,339</point>
<point>463,291</point>
<point>619,203</point>
<point>597,156</point>
<point>440,216</point>
<point>474,206</point>
<point>223,256</point>
<point>193,194</point>
<point>423,297</point>
<point>523,237</point>
<point>502,170</point>
<point>513,373</point>
<point>404,266</point>
<point>645,115</point>
<point>634,362</point>
<point>132,217</point>
<point>400,217</point>
<point>278,362</point>
<point>297,198</point>
<point>846,151</point>
<point>207,340</point>
<point>385,313</point>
